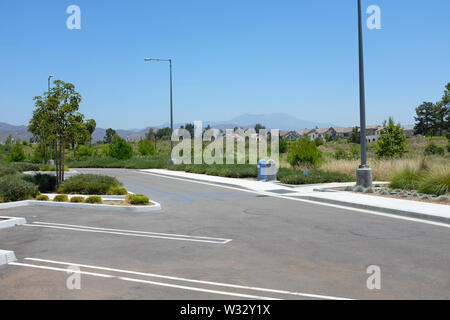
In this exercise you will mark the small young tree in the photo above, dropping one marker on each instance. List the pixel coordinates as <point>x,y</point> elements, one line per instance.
<point>120,149</point>
<point>90,126</point>
<point>56,120</point>
<point>110,133</point>
<point>146,148</point>
<point>16,154</point>
<point>392,141</point>
<point>355,136</point>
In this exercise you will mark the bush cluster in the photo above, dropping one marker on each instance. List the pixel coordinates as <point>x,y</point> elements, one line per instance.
<point>289,176</point>
<point>436,182</point>
<point>14,188</point>
<point>61,198</point>
<point>77,199</point>
<point>120,149</point>
<point>42,197</point>
<point>138,199</point>
<point>433,149</point>
<point>228,170</point>
<point>304,152</point>
<point>46,183</point>
<point>94,200</point>
<point>88,184</point>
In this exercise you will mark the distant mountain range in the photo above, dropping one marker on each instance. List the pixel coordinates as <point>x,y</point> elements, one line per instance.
<point>280,121</point>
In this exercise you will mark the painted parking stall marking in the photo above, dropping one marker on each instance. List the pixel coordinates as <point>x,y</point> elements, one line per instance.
<point>134,233</point>
<point>180,283</point>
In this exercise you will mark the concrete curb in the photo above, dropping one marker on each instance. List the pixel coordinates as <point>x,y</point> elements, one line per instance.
<point>11,222</point>
<point>379,209</point>
<point>7,257</point>
<point>98,207</point>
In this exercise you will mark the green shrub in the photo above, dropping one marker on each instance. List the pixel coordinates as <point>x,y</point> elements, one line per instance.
<point>24,166</point>
<point>120,149</point>
<point>7,171</point>
<point>46,183</point>
<point>42,197</point>
<point>138,199</point>
<point>289,176</point>
<point>433,149</point>
<point>77,199</point>
<point>436,182</point>
<point>392,141</point>
<point>83,151</point>
<point>146,148</point>
<point>94,200</point>
<point>292,179</point>
<point>14,188</point>
<point>407,179</point>
<point>1,199</point>
<point>304,152</point>
<point>88,184</point>
<point>61,198</point>
<point>117,191</point>
<point>16,154</point>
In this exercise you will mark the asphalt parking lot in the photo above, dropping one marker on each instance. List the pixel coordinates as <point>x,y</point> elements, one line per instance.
<point>210,242</point>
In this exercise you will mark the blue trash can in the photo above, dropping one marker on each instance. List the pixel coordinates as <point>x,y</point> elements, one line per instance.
<point>267,170</point>
<point>261,169</point>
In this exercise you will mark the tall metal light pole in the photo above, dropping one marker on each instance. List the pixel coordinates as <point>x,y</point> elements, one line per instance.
<point>50,162</point>
<point>171,102</point>
<point>363,173</point>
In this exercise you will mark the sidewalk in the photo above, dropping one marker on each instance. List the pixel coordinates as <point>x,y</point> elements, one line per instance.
<point>408,208</point>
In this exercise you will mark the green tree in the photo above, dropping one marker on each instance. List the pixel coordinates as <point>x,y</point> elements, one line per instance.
<point>91,125</point>
<point>355,136</point>
<point>8,141</point>
<point>304,152</point>
<point>446,108</point>
<point>110,133</point>
<point>392,141</point>
<point>425,123</point>
<point>120,149</point>
<point>16,154</point>
<point>146,148</point>
<point>164,133</point>
<point>259,127</point>
<point>56,120</point>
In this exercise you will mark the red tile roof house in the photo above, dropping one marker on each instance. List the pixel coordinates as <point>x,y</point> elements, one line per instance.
<point>373,133</point>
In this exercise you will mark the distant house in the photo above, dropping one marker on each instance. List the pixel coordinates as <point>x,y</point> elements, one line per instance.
<point>373,133</point>
<point>303,132</point>
<point>290,135</point>
<point>343,132</point>
<point>313,134</point>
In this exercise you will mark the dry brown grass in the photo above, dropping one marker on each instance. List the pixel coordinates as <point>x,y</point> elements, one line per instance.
<point>383,170</point>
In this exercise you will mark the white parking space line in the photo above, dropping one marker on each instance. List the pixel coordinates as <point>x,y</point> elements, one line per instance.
<point>161,284</point>
<point>219,284</point>
<point>133,234</point>
<point>132,231</point>
<point>274,195</point>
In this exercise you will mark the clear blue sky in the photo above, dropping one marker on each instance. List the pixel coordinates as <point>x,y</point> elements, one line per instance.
<point>230,57</point>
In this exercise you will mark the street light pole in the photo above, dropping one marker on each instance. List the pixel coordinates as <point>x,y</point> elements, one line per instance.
<point>50,162</point>
<point>171,102</point>
<point>363,173</point>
